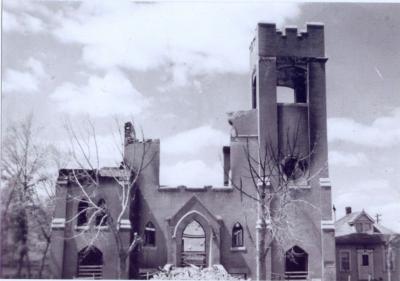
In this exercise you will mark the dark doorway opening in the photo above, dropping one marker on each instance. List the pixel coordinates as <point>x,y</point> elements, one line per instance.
<point>90,263</point>
<point>296,264</point>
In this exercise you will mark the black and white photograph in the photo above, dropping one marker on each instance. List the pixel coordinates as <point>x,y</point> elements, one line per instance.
<point>200,140</point>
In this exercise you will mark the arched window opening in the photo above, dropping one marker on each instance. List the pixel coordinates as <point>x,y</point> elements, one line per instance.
<point>285,95</point>
<point>296,264</point>
<point>149,234</point>
<point>101,217</point>
<point>237,236</point>
<point>194,245</point>
<point>82,212</point>
<point>90,263</point>
<point>294,168</point>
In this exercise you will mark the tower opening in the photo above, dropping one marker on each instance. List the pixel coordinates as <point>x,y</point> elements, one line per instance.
<point>285,95</point>
<point>294,78</point>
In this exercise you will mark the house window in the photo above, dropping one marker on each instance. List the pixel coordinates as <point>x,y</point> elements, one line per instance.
<point>82,215</point>
<point>101,217</point>
<point>149,234</point>
<point>359,227</point>
<point>363,227</point>
<point>365,260</point>
<point>237,236</point>
<point>344,260</point>
<point>366,227</point>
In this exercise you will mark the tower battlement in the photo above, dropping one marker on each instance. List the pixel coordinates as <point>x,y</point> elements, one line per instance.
<point>271,42</point>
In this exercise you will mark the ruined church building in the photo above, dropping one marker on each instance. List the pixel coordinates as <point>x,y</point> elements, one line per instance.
<point>219,223</point>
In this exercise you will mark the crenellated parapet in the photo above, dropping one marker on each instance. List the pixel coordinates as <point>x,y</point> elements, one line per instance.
<point>271,42</point>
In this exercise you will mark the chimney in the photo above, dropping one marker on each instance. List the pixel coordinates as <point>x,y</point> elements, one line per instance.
<point>348,210</point>
<point>227,164</point>
<point>130,134</point>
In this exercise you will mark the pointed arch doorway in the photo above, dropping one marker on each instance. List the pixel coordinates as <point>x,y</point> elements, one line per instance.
<point>194,236</point>
<point>90,263</point>
<point>193,250</point>
<point>296,264</point>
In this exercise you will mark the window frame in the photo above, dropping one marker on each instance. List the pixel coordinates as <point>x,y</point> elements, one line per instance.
<point>150,228</point>
<point>365,225</point>
<point>80,215</point>
<point>237,226</point>
<point>99,222</point>
<point>365,260</point>
<point>359,227</point>
<point>340,260</point>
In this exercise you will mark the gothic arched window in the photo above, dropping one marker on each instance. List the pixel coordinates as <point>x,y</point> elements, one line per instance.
<point>82,212</point>
<point>101,217</point>
<point>237,236</point>
<point>149,234</point>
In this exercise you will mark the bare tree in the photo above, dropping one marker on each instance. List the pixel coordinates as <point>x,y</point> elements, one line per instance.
<point>27,189</point>
<point>392,245</point>
<point>98,215</point>
<point>273,176</point>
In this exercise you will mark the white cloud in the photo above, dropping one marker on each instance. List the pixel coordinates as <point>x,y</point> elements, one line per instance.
<point>25,81</point>
<point>108,147</point>
<point>347,159</point>
<point>101,96</point>
<point>26,16</point>
<point>10,22</point>
<point>188,38</point>
<point>193,173</point>
<point>22,22</point>
<point>383,132</point>
<point>192,141</point>
<point>36,67</point>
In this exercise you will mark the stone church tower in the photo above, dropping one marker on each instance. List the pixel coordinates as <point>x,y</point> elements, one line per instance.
<point>297,130</point>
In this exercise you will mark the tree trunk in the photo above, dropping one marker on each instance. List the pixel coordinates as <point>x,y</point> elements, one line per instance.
<point>261,232</point>
<point>43,261</point>
<point>123,269</point>
<point>261,257</point>
<point>21,237</point>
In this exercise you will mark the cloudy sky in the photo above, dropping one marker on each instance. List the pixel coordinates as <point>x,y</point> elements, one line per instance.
<point>177,68</point>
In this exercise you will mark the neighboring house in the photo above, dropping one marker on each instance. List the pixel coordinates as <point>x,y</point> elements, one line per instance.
<point>208,225</point>
<point>366,250</point>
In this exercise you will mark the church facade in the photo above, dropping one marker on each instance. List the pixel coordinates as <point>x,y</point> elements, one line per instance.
<point>210,225</point>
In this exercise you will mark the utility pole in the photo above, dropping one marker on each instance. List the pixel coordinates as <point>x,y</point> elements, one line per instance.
<point>377,217</point>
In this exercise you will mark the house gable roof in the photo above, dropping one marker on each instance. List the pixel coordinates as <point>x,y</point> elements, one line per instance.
<point>359,216</point>
<point>346,225</point>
